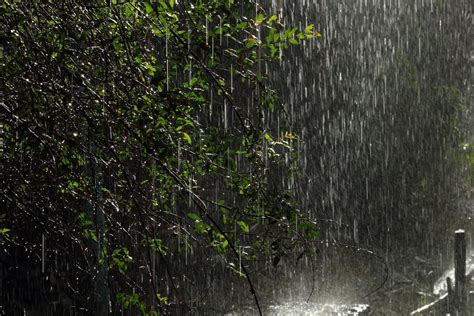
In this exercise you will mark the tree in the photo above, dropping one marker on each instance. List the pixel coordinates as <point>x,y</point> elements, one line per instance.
<point>133,134</point>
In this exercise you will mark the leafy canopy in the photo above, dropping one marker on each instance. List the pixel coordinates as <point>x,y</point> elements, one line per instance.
<point>135,130</point>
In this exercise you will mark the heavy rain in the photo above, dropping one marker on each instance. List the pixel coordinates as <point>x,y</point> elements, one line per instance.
<point>270,157</point>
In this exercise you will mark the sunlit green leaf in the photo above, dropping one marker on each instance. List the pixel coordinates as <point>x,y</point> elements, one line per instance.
<point>243,225</point>
<point>187,138</point>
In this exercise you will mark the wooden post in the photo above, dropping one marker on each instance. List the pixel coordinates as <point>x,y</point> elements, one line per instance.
<point>450,299</point>
<point>460,272</point>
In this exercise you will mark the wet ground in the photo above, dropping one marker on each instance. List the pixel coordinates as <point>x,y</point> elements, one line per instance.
<point>307,309</point>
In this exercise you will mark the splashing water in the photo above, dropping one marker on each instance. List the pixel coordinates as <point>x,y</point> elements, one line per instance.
<point>308,309</point>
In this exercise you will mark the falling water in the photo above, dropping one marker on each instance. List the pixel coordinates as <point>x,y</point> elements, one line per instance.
<point>43,249</point>
<point>377,101</point>
<point>379,104</point>
<point>167,62</point>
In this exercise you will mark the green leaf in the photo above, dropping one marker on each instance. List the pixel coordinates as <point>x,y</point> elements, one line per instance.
<point>201,227</point>
<point>187,138</point>
<point>293,41</point>
<point>241,26</point>
<point>224,245</point>
<point>243,225</point>
<point>251,43</point>
<point>148,8</point>
<point>162,299</point>
<point>194,217</point>
<point>158,246</point>
<point>4,231</point>
<point>260,18</point>
<point>272,19</point>
<point>164,5</point>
